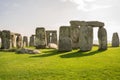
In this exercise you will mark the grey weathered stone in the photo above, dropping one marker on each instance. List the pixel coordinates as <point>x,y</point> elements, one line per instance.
<point>5,39</point>
<point>19,41</point>
<point>32,40</point>
<point>65,42</point>
<point>13,40</point>
<point>40,38</point>
<point>95,24</point>
<point>115,40</point>
<point>51,36</point>
<point>86,38</point>
<point>25,41</point>
<point>102,37</point>
<point>52,46</point>
<point>75,32</point>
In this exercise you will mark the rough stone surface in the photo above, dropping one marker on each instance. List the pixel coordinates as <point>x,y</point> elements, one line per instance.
<point>75,32</point>
<point>95,23</point>
<point>102,37</point>
<point>32,40</point>
<point>65,42</point>
<point>5,39</point>
<point>40,39</point>
<point>115,40</point>
<point>13,40</point>
<point>29,51</point>
<point>25,41</point>
<point>86,38</point>
<point>51,36</point>
<point>19,41</point>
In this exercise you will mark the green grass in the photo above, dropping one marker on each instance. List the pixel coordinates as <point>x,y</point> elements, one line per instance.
<point>54,65</point>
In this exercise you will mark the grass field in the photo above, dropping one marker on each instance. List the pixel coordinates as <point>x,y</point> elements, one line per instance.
<point>54,65</point>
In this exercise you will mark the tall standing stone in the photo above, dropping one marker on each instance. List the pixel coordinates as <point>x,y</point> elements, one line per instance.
<point>5,39</point>
<point>32,40</point>
<point>19,41</point>
<point>25,41</point>
<point>102,37</point>
<point>65,42</point>
<point>115,40</point>
<point>86,37</point>
<point>75,32</point>
<point>40,39</point>
<point>13,40</point>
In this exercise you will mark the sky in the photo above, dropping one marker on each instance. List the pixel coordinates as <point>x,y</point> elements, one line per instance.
<point>23,16</point>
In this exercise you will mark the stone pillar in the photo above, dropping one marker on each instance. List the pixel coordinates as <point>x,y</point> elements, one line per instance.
<point>19,41</point>
<point>13,40</point>
<point>40,38</point>
<point>65,42</point>
<point>48,37</point>
<point>86,37</point>
<point>54,37</point>
<point>75,32</point>
<point>0,38</point>
<point>102,37</point>
<point>25,41</point>
<point>5,39</point>
<point>32,40</point>
<point>115,40</point>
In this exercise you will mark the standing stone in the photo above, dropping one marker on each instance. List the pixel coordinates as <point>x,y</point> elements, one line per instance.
<point>51,36</point>
<point>115,40</point>
<point>65,42</point>
<point>5,39</point>
<point>13,40</point>
<point>86,38</point>
<point>25,41</point>
<point>75,32</point>
<point>32,40</point>
<point>102,37</point>
<point>0,38</point>
<point>19,41</point>
<point>40,39</point>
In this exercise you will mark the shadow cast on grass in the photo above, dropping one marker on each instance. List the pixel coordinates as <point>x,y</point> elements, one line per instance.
<point>48,53</point>
<point>80,54</point>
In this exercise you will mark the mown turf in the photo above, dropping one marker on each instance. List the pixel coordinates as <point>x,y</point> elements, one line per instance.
<point>54,65</point>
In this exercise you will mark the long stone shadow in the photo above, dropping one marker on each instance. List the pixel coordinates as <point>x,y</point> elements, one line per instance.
<point>48,53</point>
<point>80,54</point>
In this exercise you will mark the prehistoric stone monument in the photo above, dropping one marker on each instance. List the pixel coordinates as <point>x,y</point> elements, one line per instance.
<point>115,40</point>
<point>51,36</point>
<point>65,42</point>
<point>32,40</point>
<point>75,32</point>
<point>5,39</point>
<point>25,41</point>
<point>40,38</point>
<point>19,42</point>
<point>13,40</point>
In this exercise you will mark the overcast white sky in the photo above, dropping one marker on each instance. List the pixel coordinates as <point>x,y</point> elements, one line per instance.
<point>23,16</point>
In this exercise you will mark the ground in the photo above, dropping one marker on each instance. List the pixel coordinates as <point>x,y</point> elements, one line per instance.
<point>54,65</point>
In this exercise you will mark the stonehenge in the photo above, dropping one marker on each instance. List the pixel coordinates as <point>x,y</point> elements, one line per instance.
<point>32,40</point>
<point>25,41</point>
<point>40,38</point>
<point>65,42</point>
<point>115,40</point>
<point>51,36</point>
<point>19,42</point>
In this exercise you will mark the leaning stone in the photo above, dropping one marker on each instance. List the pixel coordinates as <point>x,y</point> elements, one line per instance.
<point>115,40</point>
<point>102,37</point>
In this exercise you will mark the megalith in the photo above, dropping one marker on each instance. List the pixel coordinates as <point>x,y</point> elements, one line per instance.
<point>65,42</point>
<point>25,41</point>
<point>19,42</point>
<point>32,40</point>
<point>115,40</point>
<point>13,40</point>
<point>102,38</point>
<point>51,36</point>
<point>75,31</point>
<point>86,37</point>
<point>40,38</point>
<point>5,39</point>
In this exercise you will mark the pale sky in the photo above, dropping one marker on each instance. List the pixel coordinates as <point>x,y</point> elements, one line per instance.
<point>23,16</point>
